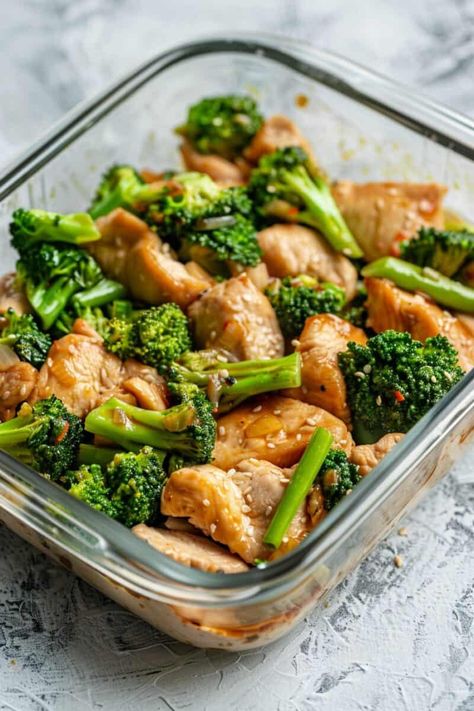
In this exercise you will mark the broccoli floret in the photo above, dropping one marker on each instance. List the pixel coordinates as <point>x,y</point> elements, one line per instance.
<point>188,429</point>
<point>297,298</point>
<point>394,380</point>
<point>24,336</point>
<point>57,276</point>
<point>228,384</point>
<point>136,481</point>
<point>88,483</point>
<point>122,186</point>
<point>337,477</point>
<point>444,251</point>
<point>157,336</point>
<point>355,310</point>
<point>28,227</point>
<point>191,201</point>
<point>223,125</point>
<point>214,248</point>
<point>45,436</point>
<point>286,186</point>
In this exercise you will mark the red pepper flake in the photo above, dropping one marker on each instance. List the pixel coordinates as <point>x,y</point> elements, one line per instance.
<point>399,397</point>
<point>63,433</point>
<point>395,250</point>
<point>293,210</point>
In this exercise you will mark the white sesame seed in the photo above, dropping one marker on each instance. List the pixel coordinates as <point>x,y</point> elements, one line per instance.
<point>249,498</point>
<point>359,374</point>
<point>212,528</point>
<point>246,509</point>
<point>250,530</point>
<point>367,368</point>
<point>434,379</point>
<point>299,437</point>
<point>221,430</point>
<point>231,472</point>
<point>277,412</point>
<point>271,445</point>
<point>206,502</point>
<point>285,539</point>
<point>378,400</point>
<point>295,342</point>
<point>257,409</point>
<point>268,510</point>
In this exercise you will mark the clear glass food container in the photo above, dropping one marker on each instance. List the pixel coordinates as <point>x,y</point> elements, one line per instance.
<point>362,127</point>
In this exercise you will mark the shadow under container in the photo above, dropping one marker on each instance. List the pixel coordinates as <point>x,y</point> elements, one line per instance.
<point>362,127</point>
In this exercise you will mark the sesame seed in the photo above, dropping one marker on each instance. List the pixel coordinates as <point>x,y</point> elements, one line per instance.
<point>268,510</point>
<point>304,389</point>
<point>206,502</point>
<point>271,445</point>
<point>359,374</point>
<point>257,409</point>
<point>398,561</point>
<point>221,430</point>
<point>295,342</point>
<point>246,509</point>
<point>367,368</point>
<point>403,531</point>
<point>277,412</point>
<point>311,421</point>
<point>378,400</point>
<point>250,530</point>
<point>213,335</point>
<point>212,528</point>
<point>299,437</point>
<point>231,472</point>
<point>285,539</point>
<point>434,379</point>
<point>249,498</point>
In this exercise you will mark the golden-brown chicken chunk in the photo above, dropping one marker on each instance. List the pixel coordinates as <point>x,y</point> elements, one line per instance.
<point>274,428</point>
<point>235,316</point>
<point>234,507</point>
<point>16,385</point>
<point>290,250</point>
<point>193,551</point>
<point>81,373</point>
<point>134,255</point>
<point>367,456</point>
<point>381,215</point>
<point>11,296</point>
<point>223,171</point>
<point>391,307</point>
<point>276,132</point>
<point>322,339</point>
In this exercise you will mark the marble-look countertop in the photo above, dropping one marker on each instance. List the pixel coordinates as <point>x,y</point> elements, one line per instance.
<point>391,638</point>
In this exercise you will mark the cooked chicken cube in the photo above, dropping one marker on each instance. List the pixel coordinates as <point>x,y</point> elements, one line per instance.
<point>277,132</point>
<point>391,307</point>
<point>367,456</point>
<point>234,507</point>
<point>193,551</point>
<point>323,338</point>
<point>11,296</point>
<point>380,215</point>
<point>83,374</point>
<point>16,385</point>
<point>290,250</point>
<point>274,428</point>
<point>224,172</point>
<point>235,316</point>
<point>134,255</point>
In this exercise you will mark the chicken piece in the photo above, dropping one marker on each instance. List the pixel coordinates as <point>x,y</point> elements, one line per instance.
<point>277,132</point>
<point>16,385</point>
<point>134,255</point>
<point>367,456</point>
<point>380,215</point>
<point>81,373</point>
<point>11,296</point>
<point>190,550</point>
<point>226,173</point>
<point>258,275</point>
<point>391,307</point>
<point>322,339</point>
<point>274,428</point>
<point>289,250</point>
<point>235,316</point>
<point>233,507</point>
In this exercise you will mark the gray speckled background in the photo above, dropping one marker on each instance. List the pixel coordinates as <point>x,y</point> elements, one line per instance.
<point>390,638</point>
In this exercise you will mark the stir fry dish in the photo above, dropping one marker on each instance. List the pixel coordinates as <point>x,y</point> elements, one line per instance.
<point>216,356</point>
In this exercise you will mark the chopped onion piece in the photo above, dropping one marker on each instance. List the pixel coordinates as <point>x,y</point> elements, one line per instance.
<point>8,357</point>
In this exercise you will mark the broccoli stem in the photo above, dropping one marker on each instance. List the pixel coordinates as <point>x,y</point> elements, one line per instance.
<point>445,291</point>
<point>322,212</point>
<point>103,292</point>
<point>18,430</point>
<point>129,425</point>
<point>49,303</point>
<point>91,454</point>
<point>299,486</point>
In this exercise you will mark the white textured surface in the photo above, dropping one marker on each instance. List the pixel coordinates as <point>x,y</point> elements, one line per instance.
<point>390,638</point>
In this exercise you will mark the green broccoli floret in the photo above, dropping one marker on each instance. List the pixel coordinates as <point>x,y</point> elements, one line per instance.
<point>228,384</point>
<point>394,380</point>
<point>45,436</point>
<point>28,227</point>
<point>444,251</point>
<point>286,186</point>
<point>136,481</point>
<point>122,186</point>
<point>297,298</point>
<point>213,249</point>
<point>88,483</point>
<point>57,276</point>
<point>156,336</point>
<point>337,477</point>
<point>188,428</point>
<point>192,201</point>
<point>355,310</point>
<point>23,335</point>
<point>223,125</point>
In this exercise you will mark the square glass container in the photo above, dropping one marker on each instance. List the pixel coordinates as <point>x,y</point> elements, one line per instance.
<point>362,127</point>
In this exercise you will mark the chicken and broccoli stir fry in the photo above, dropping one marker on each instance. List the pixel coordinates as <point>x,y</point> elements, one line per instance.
<point>215,357</point>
